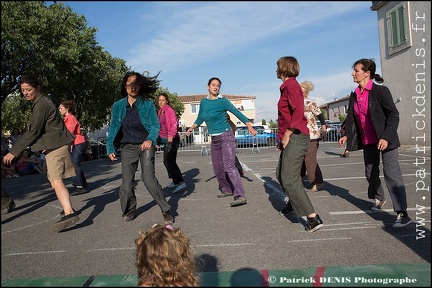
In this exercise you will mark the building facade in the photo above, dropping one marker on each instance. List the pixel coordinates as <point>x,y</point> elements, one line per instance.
<point>335,109</point>
<point>405,51</point>
<point>246,104</point>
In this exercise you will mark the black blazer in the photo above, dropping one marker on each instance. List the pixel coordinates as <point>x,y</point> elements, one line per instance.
<point>384,116</point>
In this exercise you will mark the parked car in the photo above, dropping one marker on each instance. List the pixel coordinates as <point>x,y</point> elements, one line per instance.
<point>262,138</point>
<point>333,131</point>
<point>257,127</point>
<point>98,148</point>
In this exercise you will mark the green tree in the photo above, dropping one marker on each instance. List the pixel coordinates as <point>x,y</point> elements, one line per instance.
<point>263,122</point>
<point>273,124</point>
<point>55,44</point>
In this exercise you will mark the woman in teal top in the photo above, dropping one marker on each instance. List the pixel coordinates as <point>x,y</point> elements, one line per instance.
<point>213,110</point>
<point>135,127</point>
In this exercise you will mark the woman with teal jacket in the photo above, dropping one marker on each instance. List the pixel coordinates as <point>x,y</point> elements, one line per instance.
<point>134,128</point>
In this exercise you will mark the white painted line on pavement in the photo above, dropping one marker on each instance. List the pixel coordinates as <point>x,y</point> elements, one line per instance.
<point>371,211</point>
<point>322,239</point>
<point>227,245</point>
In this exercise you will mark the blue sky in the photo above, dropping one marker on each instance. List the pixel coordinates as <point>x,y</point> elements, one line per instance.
<point>239,42</point>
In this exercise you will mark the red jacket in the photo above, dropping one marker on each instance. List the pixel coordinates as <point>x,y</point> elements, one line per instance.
<point>291,108</point>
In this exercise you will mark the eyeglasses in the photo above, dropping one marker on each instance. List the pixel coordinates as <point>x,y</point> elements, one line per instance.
<point>132,86</point>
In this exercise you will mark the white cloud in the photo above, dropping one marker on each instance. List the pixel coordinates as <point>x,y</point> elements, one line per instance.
<point>213,29</point>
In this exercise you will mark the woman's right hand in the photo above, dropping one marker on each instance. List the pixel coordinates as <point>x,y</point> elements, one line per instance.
<point>112,156</point>
<point>341,141</point>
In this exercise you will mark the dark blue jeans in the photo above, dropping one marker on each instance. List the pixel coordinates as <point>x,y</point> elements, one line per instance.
<point>77,155</point>
<point>223,152</point>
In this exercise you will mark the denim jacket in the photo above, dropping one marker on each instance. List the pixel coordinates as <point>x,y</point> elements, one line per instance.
<point>148,117</point>
<point>46,130</point>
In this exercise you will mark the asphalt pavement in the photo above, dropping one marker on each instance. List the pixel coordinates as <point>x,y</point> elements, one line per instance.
<point>249,245</point>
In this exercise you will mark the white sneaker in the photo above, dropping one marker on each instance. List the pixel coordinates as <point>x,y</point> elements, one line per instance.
<point>179,187</point>
<point>171,185</point>
<point>378,205</point>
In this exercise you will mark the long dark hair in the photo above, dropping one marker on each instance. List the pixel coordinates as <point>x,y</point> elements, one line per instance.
<point>147,85</point>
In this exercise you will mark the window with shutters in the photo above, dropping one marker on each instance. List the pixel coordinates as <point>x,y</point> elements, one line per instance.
<point>398,33</point>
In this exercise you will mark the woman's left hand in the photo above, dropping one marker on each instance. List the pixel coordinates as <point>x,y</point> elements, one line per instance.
<point>382,144</point>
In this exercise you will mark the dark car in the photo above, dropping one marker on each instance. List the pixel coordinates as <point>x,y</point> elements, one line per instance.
<point>98,149</point>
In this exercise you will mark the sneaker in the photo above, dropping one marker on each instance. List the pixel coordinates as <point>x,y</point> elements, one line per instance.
<point>316,188</point>
<point>171,185</point>
<point>179,187</point>
<point>224,194</point>
<point>79,191</point>
<point>402,221</point>
<point>378,205</point>
<point>65,222</point>
<point>314,223</point>
<point>129,216</point>
<point>62,212</point>
<point>287,210</point>
<point>9,208</point>
<point>168,219</point>
<point>238,200</point>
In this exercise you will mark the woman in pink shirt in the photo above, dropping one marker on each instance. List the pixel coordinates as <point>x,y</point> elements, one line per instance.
<point>79,145</point>
<point>371,125</point>
<point>169,136</point>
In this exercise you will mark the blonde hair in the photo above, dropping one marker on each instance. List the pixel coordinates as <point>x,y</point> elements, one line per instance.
<point>308,86</point>
<point>164,258</point>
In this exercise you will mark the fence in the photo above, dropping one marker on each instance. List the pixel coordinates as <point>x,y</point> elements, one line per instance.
<point>199,141</point>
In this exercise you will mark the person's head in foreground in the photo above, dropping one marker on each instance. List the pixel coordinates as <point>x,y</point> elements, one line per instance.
<point>164,258</point>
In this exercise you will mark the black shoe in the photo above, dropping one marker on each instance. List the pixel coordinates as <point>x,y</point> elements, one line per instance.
<point>402,220</point>
<point>65,222</point>
<point>62,212</point>
<point>129,216</point>
<point>287,210</point>
<point>9,208</point>
<point>238,200</point>
<point>168,219</point>
<point>79,191</point>
<point>314,223</point>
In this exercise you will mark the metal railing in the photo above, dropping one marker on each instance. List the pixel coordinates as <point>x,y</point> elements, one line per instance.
<point>200,141</point>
